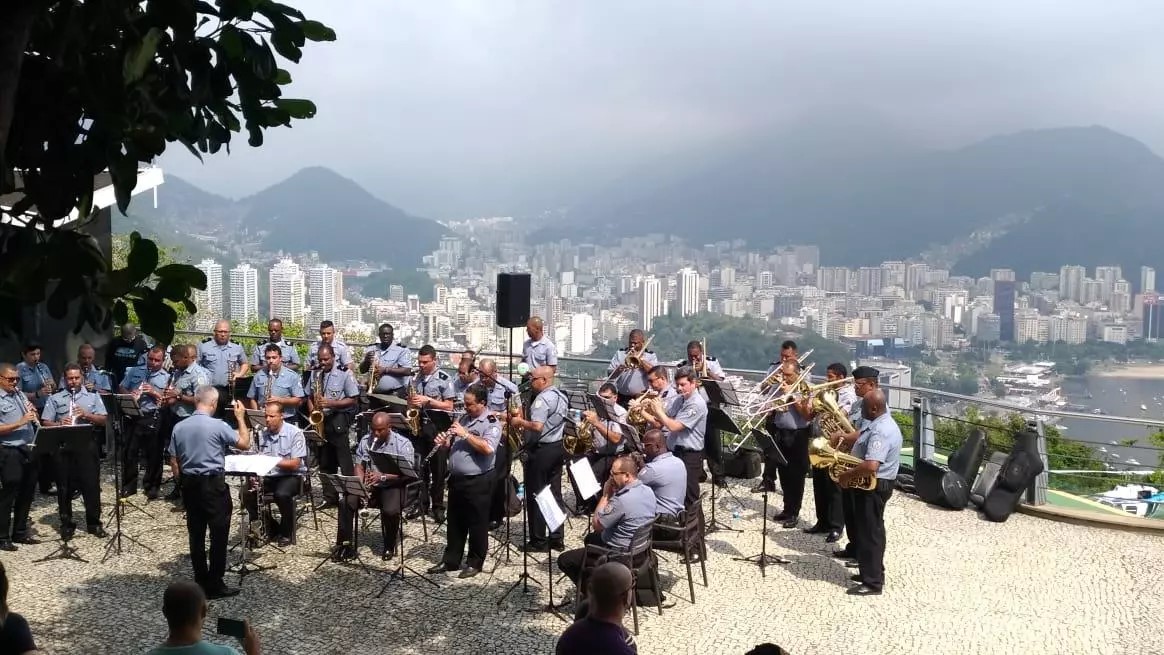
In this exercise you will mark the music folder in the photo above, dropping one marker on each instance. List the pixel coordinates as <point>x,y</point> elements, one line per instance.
<point>720,392</point>
<point>600,407</point>
<point>394,464</point>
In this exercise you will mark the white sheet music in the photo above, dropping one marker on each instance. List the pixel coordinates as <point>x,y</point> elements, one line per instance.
<point>548,506</point>
<point>256,464</point>
<point>584,478</point>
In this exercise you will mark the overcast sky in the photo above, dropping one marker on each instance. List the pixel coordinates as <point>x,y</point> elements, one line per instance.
<point>454,109</point>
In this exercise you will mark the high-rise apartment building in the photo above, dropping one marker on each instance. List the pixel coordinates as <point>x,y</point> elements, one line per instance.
<point>321,293</point>
<point>1071,282</point>
<point>688,291</point>
<point>1153,322</point>
<point>286,290</point>
<point>244,293</point>
<point>581,334</point>
<point>871,280</point>
<point>1147,279</point>
<point>396,292</point>
<point>832,278</point>
<point>915,279</point>
<point>209,302</point>
<point>1002,274</point>
<point>1004,307</point>
<point>652,302</point>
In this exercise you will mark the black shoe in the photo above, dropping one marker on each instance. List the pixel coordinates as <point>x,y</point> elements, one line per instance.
<point>844,553</point>
<point>76,494</point>
<point>770,487</point>
<point>469,572</point>
<point>493,525</point>
<point>127,493</point>
<point>536,547</point>
<point>51,491</point>
<point>174,495</point>
<point>8,546</point>
<point>438,569</point>
<point>816,529</point>
<point>326,504</point>
<point>781,517</point>
<point>413,513</point>
<point>833,537</point>
<point>388,554</point>
<point>438,515</point>
<point>97,531</point>
<point>345,554</point>
<point>68,529</point>
<point>856,577</point>
<point>284,542</point>
<point>151,494</point>
<point>222,591</point>
<point>863,590</point>
<point>790,523</point>
<point>558,545</point>
<point>720,482</point>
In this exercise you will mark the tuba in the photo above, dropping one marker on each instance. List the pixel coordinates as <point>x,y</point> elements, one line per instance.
<point>316,417</point>
<point>634,358</point>
<point>821,455</point>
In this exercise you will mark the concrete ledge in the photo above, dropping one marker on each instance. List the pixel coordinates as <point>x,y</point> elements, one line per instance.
<point>1124,522</point>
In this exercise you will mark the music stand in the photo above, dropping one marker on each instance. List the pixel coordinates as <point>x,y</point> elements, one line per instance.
<point>245,566</point>
<point>763,559</point>
<point>524,578</point>
<point>256,419</point>
<point>549,607</point>
<point>61,441</point>
<point>406,468</point>
<point>126,405</point>
<point>720,393</point>
<point>347,486</point>
<point>718,418</point>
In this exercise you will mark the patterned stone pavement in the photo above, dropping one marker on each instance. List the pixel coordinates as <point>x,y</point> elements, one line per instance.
<point>956,584</point>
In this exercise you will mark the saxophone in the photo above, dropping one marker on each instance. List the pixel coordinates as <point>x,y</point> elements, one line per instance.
<point>412,414</point>
<point>316,417</point>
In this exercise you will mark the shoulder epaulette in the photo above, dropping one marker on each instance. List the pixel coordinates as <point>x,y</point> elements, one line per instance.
<point>650,352</point>
<point>492,418</point>
<point>774,363</point>
<point>622,350</point>
<point>442,375</point>
<point>710,358</point>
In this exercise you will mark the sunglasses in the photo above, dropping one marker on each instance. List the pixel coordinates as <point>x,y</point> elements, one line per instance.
<point>11,379</point>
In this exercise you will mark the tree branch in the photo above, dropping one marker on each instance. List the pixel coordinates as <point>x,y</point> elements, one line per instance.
<point>16,20</point>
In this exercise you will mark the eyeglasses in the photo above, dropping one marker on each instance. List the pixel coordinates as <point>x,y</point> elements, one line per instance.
<point>11,379</point>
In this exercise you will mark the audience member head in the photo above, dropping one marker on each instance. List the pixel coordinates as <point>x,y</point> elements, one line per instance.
<point>611,587</point>
<point>184,606</point>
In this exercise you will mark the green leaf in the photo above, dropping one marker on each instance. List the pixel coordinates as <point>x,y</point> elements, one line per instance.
<point>317,31</point>
<point>296,107</point>
<point>189,274</point>
<point>231,41</point>
<point>282,77</point>
<point>173,288</point>
<point>142,260</point>
<point>137,59</point>
<point>285,45</point>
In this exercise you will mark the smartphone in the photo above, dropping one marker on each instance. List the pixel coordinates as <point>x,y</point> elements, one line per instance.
<point>232,628</point>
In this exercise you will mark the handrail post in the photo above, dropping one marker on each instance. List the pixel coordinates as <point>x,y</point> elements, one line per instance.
<point>923,430</point>
<point>1037,491</point>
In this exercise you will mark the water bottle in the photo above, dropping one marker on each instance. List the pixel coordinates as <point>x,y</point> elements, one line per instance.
<point>735,516</point>
<point>520,491</point>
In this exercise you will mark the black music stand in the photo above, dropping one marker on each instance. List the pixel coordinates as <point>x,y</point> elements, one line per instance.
<point>406,468</point>
<point>125,405</point>
<point>345,487</point>
<point>720,419</point>
<point>62,441</point>
<point>524,578</point>
<point>505,545</point>
<point>246,566</point>
<point>720,393</point>
<point>763,559</point>
<point>549,607</point>
<point>256,419</point>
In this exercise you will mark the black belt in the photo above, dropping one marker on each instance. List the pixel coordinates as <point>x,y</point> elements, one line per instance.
<point>208,474</point>
<point>680,450</point>
<point>469,477</point>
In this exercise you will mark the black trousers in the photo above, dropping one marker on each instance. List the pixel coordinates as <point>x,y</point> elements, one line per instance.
<point>79,471</point>
<point>141,438</point>
<point>794,445</point>
<point>572,562</point>
<point>869,509</point>
<point>18,469</point>
<point>336,452</point>
<point>436,470</point>
<point>499,494</point>
<point>389,499</point>
<point>284,488</point>
<point>829,511</point>
<point>693,462</point>
<point>208,505</point>
<point>46,470</point>
<point>849,509</point>
<point>713,451</point>
<point>544,467</point>
<point>468,518</point>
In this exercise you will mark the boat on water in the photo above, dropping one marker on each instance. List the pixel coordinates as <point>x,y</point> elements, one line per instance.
<point>1143,407</point>
<point>1135,499</point>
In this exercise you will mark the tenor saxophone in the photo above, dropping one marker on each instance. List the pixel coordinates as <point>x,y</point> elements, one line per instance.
<point>412,414</point>
<point>316,417</point>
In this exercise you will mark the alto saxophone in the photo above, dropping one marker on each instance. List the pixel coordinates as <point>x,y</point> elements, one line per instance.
<point>412,414</point>
<point>316,417</point>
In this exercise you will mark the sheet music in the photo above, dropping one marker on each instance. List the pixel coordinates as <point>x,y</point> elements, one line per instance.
<point>584,478</point>
<point>254,464</point>
<point>548,506</point>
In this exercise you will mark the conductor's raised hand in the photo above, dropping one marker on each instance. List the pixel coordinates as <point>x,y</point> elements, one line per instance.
<point>240,411</point>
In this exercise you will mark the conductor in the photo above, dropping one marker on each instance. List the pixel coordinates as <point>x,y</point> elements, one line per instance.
<point>198,450</point>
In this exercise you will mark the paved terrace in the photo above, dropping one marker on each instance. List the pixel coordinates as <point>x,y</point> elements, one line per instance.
<point>956,584</point>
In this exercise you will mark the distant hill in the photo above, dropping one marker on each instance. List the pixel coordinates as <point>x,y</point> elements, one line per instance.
<point>318,209</point>
<point>1083,195</point>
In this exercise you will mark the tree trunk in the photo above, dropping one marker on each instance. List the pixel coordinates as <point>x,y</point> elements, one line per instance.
<point>16,18</point>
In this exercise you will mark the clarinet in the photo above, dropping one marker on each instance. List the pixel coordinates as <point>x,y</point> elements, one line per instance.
<point>443,435</point>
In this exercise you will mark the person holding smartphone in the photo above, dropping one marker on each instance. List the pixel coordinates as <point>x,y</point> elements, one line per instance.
<point>184,606</point>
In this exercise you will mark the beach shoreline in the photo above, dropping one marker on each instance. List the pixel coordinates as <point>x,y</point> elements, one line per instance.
<point>1132,371</point>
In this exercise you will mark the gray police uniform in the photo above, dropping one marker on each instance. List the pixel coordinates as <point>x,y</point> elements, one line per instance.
<point>33,379</point>
<point>284,384</point>
<point>387,495</point>
<point>881,442</point>
<point>602,452</point>
<point>288,442</point>
<point>687,444</point>
<point>628,510</point>
<point>17,469</point>
<point>200,444</point>
<point>470,485</point>
<point>460,385</point>
<point>343,354</point>
<point>539,353</point>
<point>546,457</point>
<point>82,468</point>
<point>496,398</point>
<point>791,432</point>
<point>336,452</point>
<point>186,382</point>
<point>394,356</point>
<point>848,500</point>
<point>144,431</point>
<point>630,382</point>
<point>259,356</point>
<point>667,477</point>
<point>100,382</point>
<point>439,385</point>
<point>216,359</point>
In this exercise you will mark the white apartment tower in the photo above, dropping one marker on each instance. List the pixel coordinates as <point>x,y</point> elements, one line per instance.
<point>244,293</point>
<point>1147,279</point>
<point>652,302</point>
<point>209,302</point>
<point>321,293</point>
<point>581,334</point>
<point>688,291</point>
<point>287,287</point>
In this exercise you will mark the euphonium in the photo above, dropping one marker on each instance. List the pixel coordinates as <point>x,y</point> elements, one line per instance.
<point>316,417</point>
<point>822,455</point>
<point>833,419</point>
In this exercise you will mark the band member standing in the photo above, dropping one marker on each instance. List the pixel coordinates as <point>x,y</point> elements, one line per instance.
<point>664,473</point>
<point>198,453</point>
<point>538,351</point>
<point>498,387</point>
<point>498,391</point>
<point>631,381</point>
<point>36,381</point>
<point>76,405</point>
<point>218,355</point>
<point>865,379</point>
<point>830,517</point>
<point>790,353</point>
<point>661,386</point>
<point>393,364</point>
<point>386,489</point>
<point>880,447</point>
<point>185,378</point>
<point>684,422</point>
<point>791,430</point>
<point>337,402</point>
<point>276,384</point>
<point>467,374</point>
<point>606,434</point>
<point>543,443</point>
<point>124,352</point>
<point>707,367</point>
<point>341,353</point>
<point>17,464</point>
<point>472,443</point>
<point>275,337</point>
<point>147,382</point>
<point>285,441</point>
<point>94,380</point>
<point>433,395</point>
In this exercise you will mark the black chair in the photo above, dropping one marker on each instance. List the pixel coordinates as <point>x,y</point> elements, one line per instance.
<point>682,534</point>
<point>638,558</point>
<point>266,501</point>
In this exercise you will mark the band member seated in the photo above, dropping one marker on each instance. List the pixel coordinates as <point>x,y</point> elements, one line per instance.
<point>606,435</point>
<point>276,384</point>
<point>630,379</point>
<point>684,421</point>
<point>385,489</point>
<point>625,506</point>
<point>76,405</point>
<point>472,443</point>
<point>542,439</point>
<point>390,364</point>
<point>665,474</point>
<point>283,440</point>
<point>338,395</point>
<point>147,383</point>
